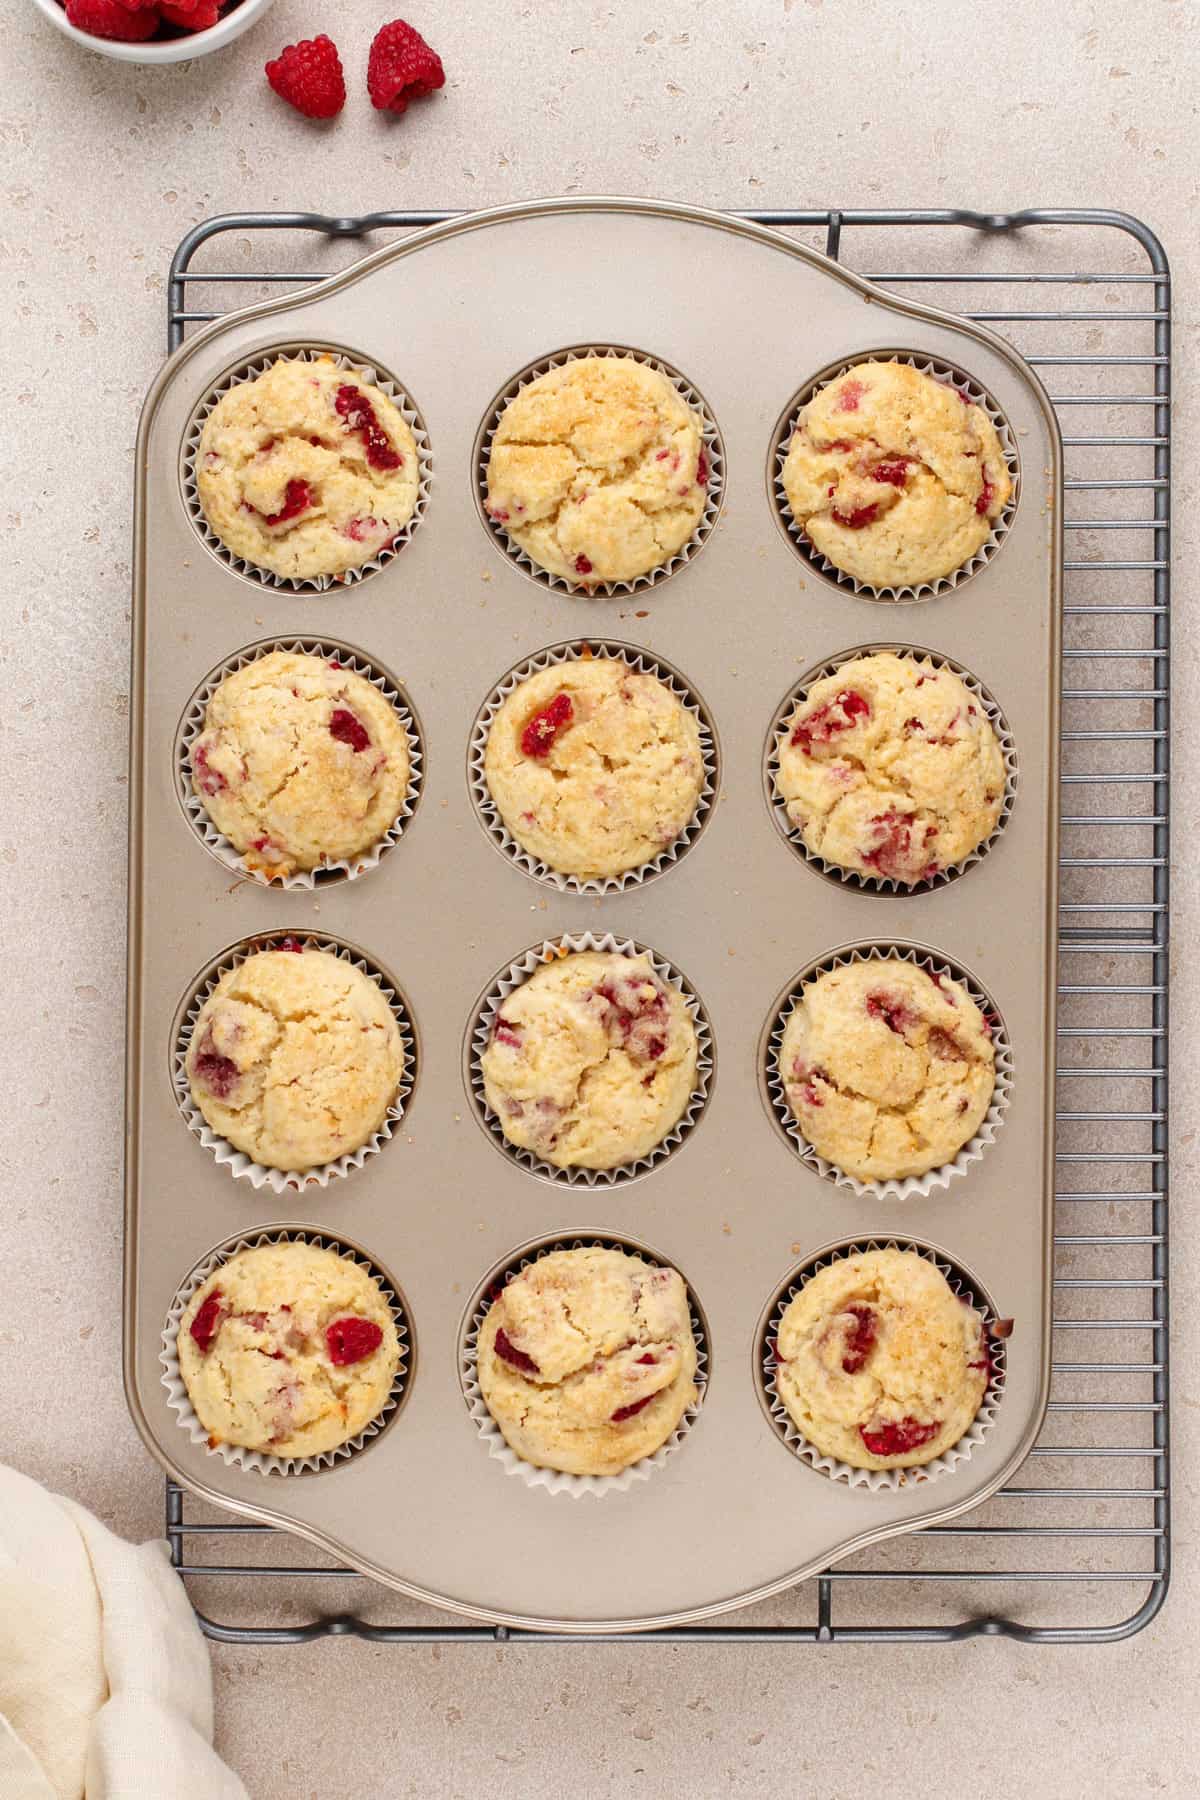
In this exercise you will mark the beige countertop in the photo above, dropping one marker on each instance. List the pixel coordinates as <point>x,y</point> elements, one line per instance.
<point>758,104</point>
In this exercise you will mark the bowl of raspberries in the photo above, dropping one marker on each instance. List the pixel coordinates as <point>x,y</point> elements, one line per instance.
<point>153,31</point>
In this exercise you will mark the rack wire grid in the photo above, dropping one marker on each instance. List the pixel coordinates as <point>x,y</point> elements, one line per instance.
<point>1075,1549</point>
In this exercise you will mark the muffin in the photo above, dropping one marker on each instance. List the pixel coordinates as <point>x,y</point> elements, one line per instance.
<point>895,477</point>
<point>598,470</point>
<point>307,469</point>
<point>587,1360</point>
<point>295,1057</point>
<point>594,768</point>
<point>878,1361</point>
<point>289,1349</point>
<point>888,1070</point>
<point>891,768</point>
<point>591,1062</point>
<point>300,762</point>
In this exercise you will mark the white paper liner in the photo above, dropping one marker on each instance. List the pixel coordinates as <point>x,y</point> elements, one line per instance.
<point>716,474</point>
<point>554,1481</point>
<point>874,884</point>
<point>240,1165</point>
<point>643,663</point>
<point>192,724</point>
<point>248,371</point>
<point>807,550</point>
<point>259,1461</point>
<point>480,1034</point>
<point>880,1480</point>
<point>908,1186</point>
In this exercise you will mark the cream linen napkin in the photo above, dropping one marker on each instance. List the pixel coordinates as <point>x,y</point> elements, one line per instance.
<point>105,1686</point>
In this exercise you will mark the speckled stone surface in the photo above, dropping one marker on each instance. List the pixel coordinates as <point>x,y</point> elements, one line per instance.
<point>762,103</point>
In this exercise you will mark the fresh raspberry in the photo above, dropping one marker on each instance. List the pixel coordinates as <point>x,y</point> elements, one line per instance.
<point>309,77</point>
<point>350,1339</point>
<point>348,728</point>
<point>510,1353</point>
<point>860,1339</point>
<point>545,726</point>
<point>202,15</point>
<point>627,1412</point>
<point>899,1436</point>
<point>839,714</point>
<point>297,499</point>
<point>204,1326</point>
<point>401,67</point>
<point>351,404</point>
<point>109,19</point>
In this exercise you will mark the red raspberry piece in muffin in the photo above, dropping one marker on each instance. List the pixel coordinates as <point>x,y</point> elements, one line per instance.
<point>546,725</point>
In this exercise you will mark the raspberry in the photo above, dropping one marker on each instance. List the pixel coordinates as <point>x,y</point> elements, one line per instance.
<point>819,726</point>
<point>512,1355</point>
<point>894,472</point>
<point>297,499</point>
<point>582,565</point>
<point>308,75</point>
<point>893,852</point>
<point>899,1437</point>
<point>353,406</point>
<point>895,1015</point>
<point>348,728</point>
<point>852,392</point>
<point>627,1412</point>
<point>702,468</point>
<point>401,67</point>
<point>352,1338</point>
<point>984,502</point>
<point>201,16</point>
<point>210,781</point>
<point>204,1326</point>
<point>860,516</point>
<point>506,1031</point>
<point>860,1339</point>
<point>290,943</point>
<point>545,726</point>
<point>109,19</point>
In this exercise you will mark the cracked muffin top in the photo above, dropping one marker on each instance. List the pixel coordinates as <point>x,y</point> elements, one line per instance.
<point>587,1360</point>
<point>307,469</point>
<point>592,1061</point>
<point>598,470</point>
<point>878,1361</point>
<point>895,477</point>
<point>594,768</point>
<point>295,1057</point>
<point>888,1070</point>
<point>287,1348</point>
<point>890,767</point>
<point>300,762</point>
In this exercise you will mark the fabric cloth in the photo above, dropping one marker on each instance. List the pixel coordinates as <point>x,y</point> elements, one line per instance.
<point>105,1685</point>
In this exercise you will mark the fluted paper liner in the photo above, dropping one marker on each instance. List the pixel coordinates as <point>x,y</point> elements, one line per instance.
<point>712,444</point>
<point>480,1033</point>
<point>261,1462</point>
<point>804,547</point>
<point>874,884</point>
<point>880,1480</point>
<point>905,1187</point>
<point>238,1162</point>
<point>555,1481</point>
<point>642,663</point>
<point>192,724</point>
<point>248,371</point>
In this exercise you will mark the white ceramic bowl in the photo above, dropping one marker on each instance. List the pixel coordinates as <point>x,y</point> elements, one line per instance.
<point>167,50</point>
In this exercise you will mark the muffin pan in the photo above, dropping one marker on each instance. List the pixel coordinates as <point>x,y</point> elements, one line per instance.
<point>733,1207</point>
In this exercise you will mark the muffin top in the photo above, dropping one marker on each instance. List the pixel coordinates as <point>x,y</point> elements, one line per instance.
<point>879,1363</point>
<point>889,766</point>
<point>295,1057</point>
<point>598,470</point>
<point>287,1348</point>
<point>895,477</point>
<point>307,469</point>
<point>300,762</point>
<point>591,1061</point>
<point>888,1070</point>
<point>587,1360</point>
<point>594,769</point>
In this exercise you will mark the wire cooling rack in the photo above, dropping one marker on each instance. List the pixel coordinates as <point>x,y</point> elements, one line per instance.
<point>1076,1549</point>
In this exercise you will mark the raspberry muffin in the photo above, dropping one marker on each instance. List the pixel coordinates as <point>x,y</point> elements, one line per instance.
<point>295,1057</point>
<point>307,469</point>
<point>888,1070</point>
<point>895,477</point>
<point>587,1360</point>
<point>289,1349</point>
<point>594,768</point>
<point>890,767</point>
<point>592,1061</point>
<point>878,1361</point>
<point>300,762</point>
<point>598,470</point>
